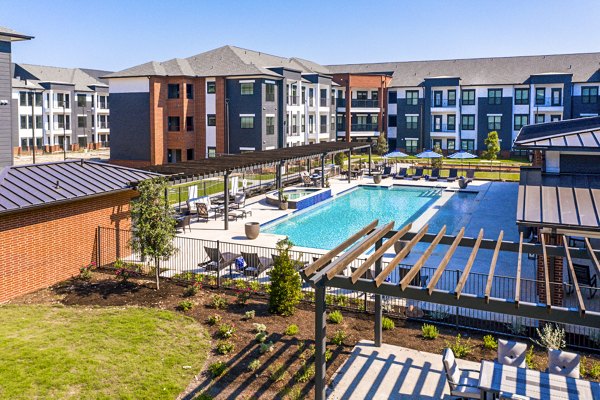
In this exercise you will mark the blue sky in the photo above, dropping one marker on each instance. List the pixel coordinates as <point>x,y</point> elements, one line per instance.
<point>117,34</point>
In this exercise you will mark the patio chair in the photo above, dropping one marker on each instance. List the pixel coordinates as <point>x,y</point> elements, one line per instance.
<point>584,278</point>
<point>470,175</point>
<point>435,174</point>
<point>563,363</point>
<point>418,174</point>
<point>239,201</point>
<point>401,174</point>
<point>202,211</point>
<point>306,178</point>
<point>217,260</point>
<point>255,265</point>
<point>298,264</point>
<point>512,353</point>
<point>184,221</point>
<point>452,175</point>
<point>419,280</point>
<point>460,383</point>
<point>387,171</point>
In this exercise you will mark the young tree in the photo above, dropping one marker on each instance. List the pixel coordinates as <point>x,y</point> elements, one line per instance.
<point>493,146</point>
<point>286,285</point>
<point>153,223</point>
<point>382,147</point>
<point>437,162</point>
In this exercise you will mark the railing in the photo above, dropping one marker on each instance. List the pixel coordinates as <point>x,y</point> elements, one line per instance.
<point>323,102</point>
<point>443,103</point>
<point>293,100</point>
<point>323,128</point>
<point>311,101</point>
<point>547,102</point>
<point>364,127</point>
<point>362,103</point>
<point>443,128</point>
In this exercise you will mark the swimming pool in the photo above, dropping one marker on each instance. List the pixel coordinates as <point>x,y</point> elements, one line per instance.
<point>329,224</point>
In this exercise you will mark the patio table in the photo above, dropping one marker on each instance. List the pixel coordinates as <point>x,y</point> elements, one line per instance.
<point>495,378</point>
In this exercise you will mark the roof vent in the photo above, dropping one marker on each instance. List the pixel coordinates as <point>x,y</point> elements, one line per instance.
<point>57,186</point>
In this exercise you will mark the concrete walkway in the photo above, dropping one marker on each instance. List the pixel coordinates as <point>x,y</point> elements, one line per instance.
<point>391,372</point>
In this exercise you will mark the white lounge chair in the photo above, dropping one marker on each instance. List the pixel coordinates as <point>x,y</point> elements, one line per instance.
<point>461,384</point>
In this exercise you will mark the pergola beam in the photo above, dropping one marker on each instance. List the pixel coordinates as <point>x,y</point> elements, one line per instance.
<point>574,276</point>
<point>490,278</point>
<point>546,272</point>
<point>465,274</point>
<point>442,266</point>
<point>592,254</point>
<point>421,261</point>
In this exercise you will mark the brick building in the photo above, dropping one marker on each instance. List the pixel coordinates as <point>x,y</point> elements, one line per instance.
<point>49,217</point>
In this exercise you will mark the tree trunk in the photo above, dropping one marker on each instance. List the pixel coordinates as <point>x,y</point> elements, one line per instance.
<point>157,264</point>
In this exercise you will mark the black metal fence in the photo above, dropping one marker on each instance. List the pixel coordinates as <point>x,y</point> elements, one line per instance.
<point>193,263</point>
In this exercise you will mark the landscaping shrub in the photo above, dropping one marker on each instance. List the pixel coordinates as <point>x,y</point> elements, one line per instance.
<point>254,286</point>
<point>226,331</point>
<point>250,314</point>
<point>306,373</point>
<point>335,317</point>
<point>387,324</point>
<point>286,285</point>
<point>85,273</point>
<point>254,365</point>
<point>529,359</point>
<point>278,373</point>
<point>341,300</point>
<point>218,302</point>
<point>258,328</point>
<point>217,369</point>
<point>191,290</point>
<point>490,343</point>
<point>430,332</point>
<point>339,337</point>
<point>328,355</point>
<point>517,327</point>
<point>291,330</point>
<point>261,337</point>
<point>185,305</point>
<point>225,347</point>
<point>266,347</point>
<point>214,319</point>
<point>242,297</point>
<point>460,348</point>
<point>552,337</point>
<point>594,370</point>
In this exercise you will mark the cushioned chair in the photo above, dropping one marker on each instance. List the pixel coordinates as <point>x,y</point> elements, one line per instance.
<point>435,174</point>
<point>511,353</point>
<point>563,363</point>
<point>401,174</point>
<point>452,175</point>
<point>255,265</point>
<point>461,384</point>
<point>217,260</point>
<point>418,174</point>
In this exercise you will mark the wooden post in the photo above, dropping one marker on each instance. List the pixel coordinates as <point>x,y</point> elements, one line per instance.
<point>369,160</point>
<point>320,342</point>
<point>349,164</point>
<point>323,171</point>
<point>226,198</point>
<point>378,306</point>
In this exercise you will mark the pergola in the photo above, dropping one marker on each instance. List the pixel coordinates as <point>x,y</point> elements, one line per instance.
<point>226,165</point>
<point>326,272</point>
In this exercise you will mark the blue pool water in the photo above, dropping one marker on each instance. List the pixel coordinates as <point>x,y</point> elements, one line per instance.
<point>329,224</point>
<point>455,213</point>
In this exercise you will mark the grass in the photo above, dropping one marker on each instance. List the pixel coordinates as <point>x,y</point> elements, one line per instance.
<point>97,353</point>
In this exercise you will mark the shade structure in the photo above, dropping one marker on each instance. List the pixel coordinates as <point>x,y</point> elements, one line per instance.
<point>429,154</point>
<point>462,155</point>
<point>396,154</point>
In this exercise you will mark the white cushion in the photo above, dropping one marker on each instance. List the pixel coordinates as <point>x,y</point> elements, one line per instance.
<point>452,369</point>
<point>512,353</point>
<point>563,363</point>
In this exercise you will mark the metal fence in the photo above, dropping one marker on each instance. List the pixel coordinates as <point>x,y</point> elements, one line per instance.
<point>192,263</point>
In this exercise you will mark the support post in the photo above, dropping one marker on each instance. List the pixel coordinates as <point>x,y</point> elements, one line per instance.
<point>226,198</point>
<point>308,161</point>
<point>378,306</point>
<point>349,164</point>
<point>320,342</point>
<point>323,171</point>
<point>279,180</point>
<point>369,160</point>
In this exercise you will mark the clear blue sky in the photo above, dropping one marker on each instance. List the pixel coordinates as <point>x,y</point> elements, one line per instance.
<point>117,34</point>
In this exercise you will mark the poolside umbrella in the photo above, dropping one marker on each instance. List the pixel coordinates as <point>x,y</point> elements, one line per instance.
<point>429,154</point>
<point>463,155</point>
<point>395,154</point>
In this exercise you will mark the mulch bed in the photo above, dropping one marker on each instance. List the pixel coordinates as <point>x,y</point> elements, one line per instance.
<point>289,353</point>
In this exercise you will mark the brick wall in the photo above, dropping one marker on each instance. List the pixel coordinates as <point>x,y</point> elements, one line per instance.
<point>46,245</point>
<point>555,272</point>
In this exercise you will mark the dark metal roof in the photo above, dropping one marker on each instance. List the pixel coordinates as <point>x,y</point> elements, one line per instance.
<point>582,134</point>
<point>559,201</point>
<point>36,185</point>
<point>242,162</point>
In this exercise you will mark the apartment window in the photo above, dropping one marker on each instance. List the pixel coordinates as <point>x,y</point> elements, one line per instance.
<point>323,123</point>
<point>173,90</point>
<point>189,124</point>
<point>103,121</point>
<point>270,92</point>
<point>412,121</point>
<point>103,100</point>
<point>520,121</point>
<point>212,152</point>
<point>540,118</point>
<point>211,120</point>
<point>173,124</point>
<point>521,96</point>
<point>494,96</point>
<point>190,154</point>
<point>436,143</point>
<point>468,122</point>
<point>38,122</point>
<point>211,87</point>
<point>556,96</point>
<point>311,124</point>
<point>451,97</point>
<point>62,100</point>
<point>247,88</point>
<point>189,91</point>
<point>81,121</point>
<point>247,122</point>
<point>362,95</point>
<point>412,97</point>
<point>63,121</point>
<point>374,95</point>
<point>555,118</point>
<point>494,122</point>
<point>38,99</point>
<point>412,146</point>
<point>302,123</point>
<point>25,122</point>
<point>81,100</point>
<point>303,96</point>
<point>392,120</point>
<point>437,123</point>
<point>467,145</point>
<point>437,98</point>
<point>468,97</point>
<point>23,98</point>
<point>589,94</point>
<point>270,124</point>
<point>540,96</point>
<point>451,144</point>
<point>392,97</point>
<point>451,122</point>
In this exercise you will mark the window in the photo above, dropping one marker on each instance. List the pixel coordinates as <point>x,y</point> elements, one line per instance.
<point>589,94</point>
<point>270,124</point>
<point>323,123</point>
<point>211,87</point>
<point>540,96</point>
<point>302,123</point>
<point>270,92</point>
<point>62,100</point>
<point>451,144</point>
<point>375,95</point>
<point>332,97</point>
<point>555,118</point>
<point>173,90</point>
<point>38,99</point>
<point>311,124</point>
<point>247,122</point>
<point>412,121</point>
<point>494,96</point>
<point>212,152</point>
<point>189,124</point>
<point>173,123</point>
<point>540,118</point>
<point>412,97</point>
<point>494,122</point>
<point>81,121</point>
<point>63,121</point>
<point>392,120</point>
<point>23,98</point>
<point>468,97</point>
<point>437,123</point>
<point>25,122</point>
<point>437,98</point>
<point>38,122</point>
<point>521,96</point>
<point>451,97</point>
<point>190,154</point>
<point>303,96</point>
<point>412,146</point>
<point>467,145</point>
<point>451,122</point>
<point>211,120</point>
<point>468,122</point>
<point>189,93</point>
<point>81,100</point>
<point>247,89</point>
<point>556,96</point>
<point>520,121</point>
<point>436,143</point>
<point>103,100</point>
<point>392,97</point>
<point>362,95</point>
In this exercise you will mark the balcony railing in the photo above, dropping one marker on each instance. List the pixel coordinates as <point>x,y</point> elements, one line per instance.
<point>323,128</point>
<point>323,102</point>
<point>359,103</point>
<point>547,102</point>
<point>443,103</point>
<point>443,128</point>
<point>364,127</point>
<point>293,100</point>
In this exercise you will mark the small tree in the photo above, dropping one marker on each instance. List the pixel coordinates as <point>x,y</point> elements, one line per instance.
<point>493,146</point>
<point>437,162</point>
<point>153,223</point>
<point>339,159</point>
<point>285,289</point>
<point>382,147</point>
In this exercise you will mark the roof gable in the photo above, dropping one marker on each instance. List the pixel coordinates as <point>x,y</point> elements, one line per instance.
<point>573,134</point>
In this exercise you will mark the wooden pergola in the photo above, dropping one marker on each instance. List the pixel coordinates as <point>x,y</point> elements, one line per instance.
<point>326,272</point>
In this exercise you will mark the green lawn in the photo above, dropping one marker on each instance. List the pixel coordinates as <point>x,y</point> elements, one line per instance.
<point>97,353</point>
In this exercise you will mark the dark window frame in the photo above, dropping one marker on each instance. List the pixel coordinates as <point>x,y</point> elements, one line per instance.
<point>540,100</point>
<point>211,119</point>
<point>414,122</point>
<point>451,127</point>
<point>552,98</point>
<point>470,126</point>
<point>172,123</point>
<point>589,97</point>
<point>189,91</point>
<point>468,100</point>
<point>452,99</point>
<point>520,100</point>
<point>493,98</point>
<point>269,92</point>
<point>246,85</point>
<point>464,145</point>
<point>494,122</point>
<point>413,99</point>
<point>520,124</point>
<point>242,122</point>
<point>269,128</point>
<point>173,91</point>
<point>189,123</point>
<point>211,87</point>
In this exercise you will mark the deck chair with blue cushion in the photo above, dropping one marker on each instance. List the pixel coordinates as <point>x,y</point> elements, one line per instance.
<point>418,174</point>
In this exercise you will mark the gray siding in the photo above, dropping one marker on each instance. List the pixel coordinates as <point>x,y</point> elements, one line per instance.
<point>130,126</point>
<point>6,110</point>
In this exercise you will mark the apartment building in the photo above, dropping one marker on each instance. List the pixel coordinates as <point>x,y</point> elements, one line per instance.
<point>7,36</point>
<point>55,107</point>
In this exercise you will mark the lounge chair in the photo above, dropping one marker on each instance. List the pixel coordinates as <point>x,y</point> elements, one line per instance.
<point>512,396</point>
<point>418,280</point>
<point>452,175</point>
<point>584,278</point>
<point>306,178</point>
<point>298,264</point>
<point>217,260</point>
<point>435,174</point>
<point>203,212</point>
<point>387,171</point>
<point>255,265</point>
<point>239,201</point>
<point>470,175</point>
<point>401,174</point>
<point>461,384</point>
<point>512,353</point>
<point>418,174</point>
<point>563,363</point>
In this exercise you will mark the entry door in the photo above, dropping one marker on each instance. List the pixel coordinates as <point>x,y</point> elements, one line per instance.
<point>437,98</point>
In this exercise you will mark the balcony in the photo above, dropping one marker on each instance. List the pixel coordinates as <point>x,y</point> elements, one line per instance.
<point>293,100</point>
<point>547,102</point>
<point>443,128</point>
<point>323,102</point>
<point>444,103</point>
<point>323,128</point>
<point>364,127</point>
<point>359,103</point>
